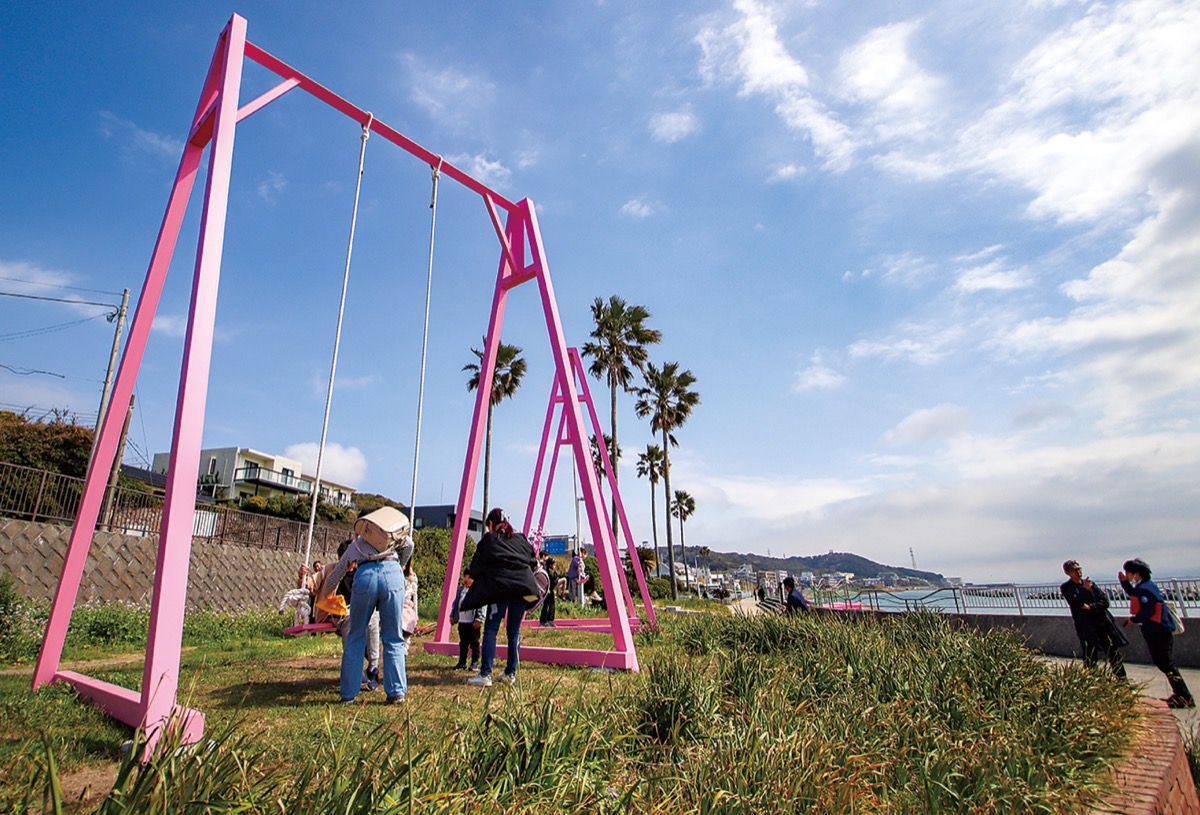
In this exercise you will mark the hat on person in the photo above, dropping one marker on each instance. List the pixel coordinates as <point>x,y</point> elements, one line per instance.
<point>1068,565</point>
<point>382,528</point>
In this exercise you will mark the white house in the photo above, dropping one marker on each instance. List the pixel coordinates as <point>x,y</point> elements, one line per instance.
<point>234,473</point>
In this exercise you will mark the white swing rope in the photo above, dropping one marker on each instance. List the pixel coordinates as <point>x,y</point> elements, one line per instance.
<point>337,338</point>
<point>412,506</point>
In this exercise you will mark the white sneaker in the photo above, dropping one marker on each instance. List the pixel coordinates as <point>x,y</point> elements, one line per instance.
<point>509,678</point>
<point>480,680</point>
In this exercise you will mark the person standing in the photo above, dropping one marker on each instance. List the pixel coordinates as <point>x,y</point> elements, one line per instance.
<point>502,573</point>
<point>381,549</point>
<point>576,577</point>
<point>547,617</point>
<point>470,623</point>
<point>1148,608</point>
<point>796,604</point>
<point>1094,625</point>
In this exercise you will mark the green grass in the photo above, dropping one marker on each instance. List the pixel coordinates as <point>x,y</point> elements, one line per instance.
<point>817,714</point>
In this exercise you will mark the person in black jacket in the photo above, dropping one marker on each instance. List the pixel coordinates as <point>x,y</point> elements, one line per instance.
<point>1094,625</point>
<point>502,571</point>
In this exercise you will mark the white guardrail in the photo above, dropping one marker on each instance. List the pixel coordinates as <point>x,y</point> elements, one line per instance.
<point>1004,598</point>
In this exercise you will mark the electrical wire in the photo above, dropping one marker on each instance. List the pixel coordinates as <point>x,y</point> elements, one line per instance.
<point>44,284</point>
<point>35,332</point>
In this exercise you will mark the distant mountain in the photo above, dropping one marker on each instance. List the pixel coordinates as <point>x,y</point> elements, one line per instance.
<point>858,565</point>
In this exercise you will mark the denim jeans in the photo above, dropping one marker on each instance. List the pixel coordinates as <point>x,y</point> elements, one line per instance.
<point>515,609</point>
<point>378,586</point>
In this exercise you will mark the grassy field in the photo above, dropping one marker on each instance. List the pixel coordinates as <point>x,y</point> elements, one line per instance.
<point>823,714</point>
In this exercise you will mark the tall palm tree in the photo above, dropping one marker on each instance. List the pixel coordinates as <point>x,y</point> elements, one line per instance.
<point>668,400</point>
<point>682,508</point>
<point>620,339</point>
<point>650,466</point>
<point>614,453</point>
<point>506,380</point>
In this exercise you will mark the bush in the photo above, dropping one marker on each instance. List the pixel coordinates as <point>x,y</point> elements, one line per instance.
<point>22,623</point>
<point>431,552</point>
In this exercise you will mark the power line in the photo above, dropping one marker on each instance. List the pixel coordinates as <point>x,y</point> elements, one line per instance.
<point>34,332</point>
<point>29,371</point>
<point>57,299</point>
<point>59,286</point>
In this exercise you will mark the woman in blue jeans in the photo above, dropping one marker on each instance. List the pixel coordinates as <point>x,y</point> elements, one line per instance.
<point>381,548</point>
<point>502,571</point>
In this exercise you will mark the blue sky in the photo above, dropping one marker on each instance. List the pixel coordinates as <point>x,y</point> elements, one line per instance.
<point>933,264</point>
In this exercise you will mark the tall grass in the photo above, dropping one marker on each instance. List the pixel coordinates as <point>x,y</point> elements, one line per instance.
<point>819,715</point>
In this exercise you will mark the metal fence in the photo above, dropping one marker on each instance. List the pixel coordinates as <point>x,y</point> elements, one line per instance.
<point>38,495</point>
<point>1004,598</point>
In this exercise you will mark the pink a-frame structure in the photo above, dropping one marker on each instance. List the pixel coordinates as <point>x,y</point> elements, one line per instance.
<point>154,706</point>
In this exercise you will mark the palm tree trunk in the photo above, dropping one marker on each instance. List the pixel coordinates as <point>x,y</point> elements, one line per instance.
<point>667,488</point>
<point>687,577</point>
<point>654,518</point>
<point>487,465</point>
<point>613,427</point>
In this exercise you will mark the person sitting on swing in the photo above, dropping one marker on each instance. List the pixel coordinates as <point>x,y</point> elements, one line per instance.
<point>382,548</point>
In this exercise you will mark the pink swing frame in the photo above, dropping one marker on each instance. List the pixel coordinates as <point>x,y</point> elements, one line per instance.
<point>154,707</point>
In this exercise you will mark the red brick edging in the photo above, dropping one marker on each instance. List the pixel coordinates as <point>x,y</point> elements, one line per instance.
<point>1156,780</point>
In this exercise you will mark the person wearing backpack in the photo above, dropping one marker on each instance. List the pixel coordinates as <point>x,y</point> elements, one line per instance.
<point>1148,608</point>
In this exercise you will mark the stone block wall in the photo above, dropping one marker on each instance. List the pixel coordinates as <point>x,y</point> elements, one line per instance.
<point>222,577</point>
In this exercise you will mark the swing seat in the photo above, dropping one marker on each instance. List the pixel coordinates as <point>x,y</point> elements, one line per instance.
<point>309,628</point>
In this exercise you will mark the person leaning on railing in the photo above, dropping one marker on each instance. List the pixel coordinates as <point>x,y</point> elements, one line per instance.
<point>1149,609</point>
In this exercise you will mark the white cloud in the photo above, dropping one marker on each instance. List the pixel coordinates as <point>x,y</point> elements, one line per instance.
<point>930,424</point>
<point>915,343</point>
<point>672,127</point>
<point>269,188</point>
<point>636,208</point>
<point>902,99</point>
<point>817,377</point>
<point>749,52</point>
<point>451,97</point>
<point>137,142</point>
<point>491,172</point>
<point>169,325</point>
<point>344,465</point>
<point>787,172</point>
<point>992,276</point>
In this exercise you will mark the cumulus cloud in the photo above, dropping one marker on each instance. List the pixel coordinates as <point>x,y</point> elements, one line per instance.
<point>817,377</point>
<point>992,276</point>
<point>169,325</point>
<point>343,465</point>
<point>674,126</point>
<point>900,97</point>
<point>930,424</point>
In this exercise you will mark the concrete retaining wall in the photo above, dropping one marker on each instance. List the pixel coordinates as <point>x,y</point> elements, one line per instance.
<point>223,577</point>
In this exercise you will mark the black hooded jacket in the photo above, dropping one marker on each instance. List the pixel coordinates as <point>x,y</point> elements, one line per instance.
<point>502,570</point>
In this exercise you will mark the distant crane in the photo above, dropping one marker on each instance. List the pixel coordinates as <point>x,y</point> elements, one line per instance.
<point>911,558</point>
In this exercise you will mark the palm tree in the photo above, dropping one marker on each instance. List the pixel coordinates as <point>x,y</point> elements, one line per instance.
<point>650,466</point>
<point>620,340</point>
<point>614,453</point>
<point>682,508</point>
<point>668,401</point>
<point>704,553</point>
<point>506,380</point>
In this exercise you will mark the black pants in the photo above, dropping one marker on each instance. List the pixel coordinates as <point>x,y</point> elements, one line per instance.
<point>1099,645</point>
<point>1161,646</point>
<point>548,607</point>
<point>468,640</point>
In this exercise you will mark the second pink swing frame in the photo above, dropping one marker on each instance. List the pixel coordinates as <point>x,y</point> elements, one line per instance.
<point>218,113</point>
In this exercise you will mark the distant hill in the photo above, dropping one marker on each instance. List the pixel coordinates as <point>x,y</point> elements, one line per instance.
<point>832,562</point>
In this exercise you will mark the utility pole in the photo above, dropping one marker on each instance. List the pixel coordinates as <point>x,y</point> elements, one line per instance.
<point>106,394</point>
<point>911,558</point>
<point>115,473</point>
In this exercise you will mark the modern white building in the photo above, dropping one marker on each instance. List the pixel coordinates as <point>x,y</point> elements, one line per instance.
<point>234,473</point>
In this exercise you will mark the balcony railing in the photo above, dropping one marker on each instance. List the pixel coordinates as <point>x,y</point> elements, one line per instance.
<point>38,495</point>
<point>286,481</point>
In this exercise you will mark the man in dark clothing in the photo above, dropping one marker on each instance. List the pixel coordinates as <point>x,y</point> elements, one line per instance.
<point>1097,631</point>
<point>547,618</point>
<point>796,604</point>
<point>1148,608</point>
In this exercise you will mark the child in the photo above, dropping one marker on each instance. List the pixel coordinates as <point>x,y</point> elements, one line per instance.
<point>469,625</point>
